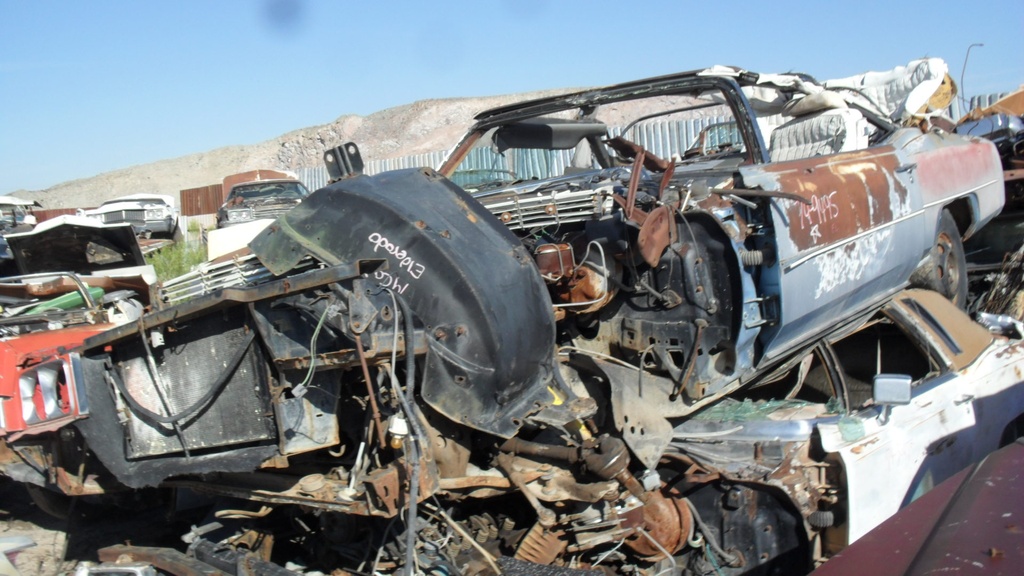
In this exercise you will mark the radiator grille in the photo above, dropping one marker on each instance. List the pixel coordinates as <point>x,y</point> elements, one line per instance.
<point>193,357</point>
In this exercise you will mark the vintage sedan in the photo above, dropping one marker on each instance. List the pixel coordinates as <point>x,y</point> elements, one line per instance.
<point>801,203</point>
<point>149,214</point>
<point>259,195</point>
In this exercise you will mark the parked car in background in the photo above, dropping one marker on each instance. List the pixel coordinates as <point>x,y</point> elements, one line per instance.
<point>16,214</point>
<point>149,214</point>
<point>257,195</point>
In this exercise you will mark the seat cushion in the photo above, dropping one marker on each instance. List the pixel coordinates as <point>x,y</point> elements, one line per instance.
<point>823,133</point>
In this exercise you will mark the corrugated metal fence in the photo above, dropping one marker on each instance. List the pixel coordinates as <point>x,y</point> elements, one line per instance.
<point>315,177</point>
<point>42,214</point>
<point>202,200</point>
<point>658,137</point>
<point>661,138</point>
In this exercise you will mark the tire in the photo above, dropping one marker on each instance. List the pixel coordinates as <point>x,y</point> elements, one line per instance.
<point>945,269</point>
<point>55,504</point>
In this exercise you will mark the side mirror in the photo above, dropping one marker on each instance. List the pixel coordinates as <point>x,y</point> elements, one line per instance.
<point>890,390</point>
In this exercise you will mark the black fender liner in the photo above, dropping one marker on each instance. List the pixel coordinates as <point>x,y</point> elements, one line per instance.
<point>468,280</point>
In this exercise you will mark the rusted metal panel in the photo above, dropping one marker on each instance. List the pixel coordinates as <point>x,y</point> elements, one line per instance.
<point>202,200</point>
<point>858,230</point>
<point>846,195</point>
<point>50,213</point>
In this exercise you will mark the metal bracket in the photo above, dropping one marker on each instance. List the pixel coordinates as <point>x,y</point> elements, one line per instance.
<point>343,161</point>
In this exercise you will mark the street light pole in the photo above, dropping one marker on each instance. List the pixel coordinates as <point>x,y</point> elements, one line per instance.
<point>963,99</point>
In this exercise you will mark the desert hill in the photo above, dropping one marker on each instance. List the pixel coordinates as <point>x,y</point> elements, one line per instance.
<point>423,126</point>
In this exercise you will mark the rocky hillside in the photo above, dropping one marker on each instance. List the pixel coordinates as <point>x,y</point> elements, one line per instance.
<point>424,126</point>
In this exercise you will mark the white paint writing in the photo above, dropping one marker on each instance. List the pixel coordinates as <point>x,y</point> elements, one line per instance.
<point>398,278</point>
<point>406,262</point>
<point>388,281</point>
<point>821,210</point>
<point>852,262</point>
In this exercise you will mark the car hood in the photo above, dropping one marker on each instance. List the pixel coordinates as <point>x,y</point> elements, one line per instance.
<point>126,205</point>
<point>75,244</point>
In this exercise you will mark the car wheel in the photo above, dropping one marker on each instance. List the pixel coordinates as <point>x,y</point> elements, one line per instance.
<point>945,270</point>
<point>53,503</point>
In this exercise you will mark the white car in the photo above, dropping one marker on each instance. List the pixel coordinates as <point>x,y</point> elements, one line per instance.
<point>149,214</point>
<point>847,432</point>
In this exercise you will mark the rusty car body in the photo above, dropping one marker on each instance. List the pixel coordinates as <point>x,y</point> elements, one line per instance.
<point>494,368</point>
<point>258,195</point>
<point>75,278</point>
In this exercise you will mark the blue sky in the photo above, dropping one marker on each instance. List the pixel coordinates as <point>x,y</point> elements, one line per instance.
<point>89,87</point>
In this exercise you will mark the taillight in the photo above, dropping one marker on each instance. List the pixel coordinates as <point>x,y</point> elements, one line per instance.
<point>44,393</point>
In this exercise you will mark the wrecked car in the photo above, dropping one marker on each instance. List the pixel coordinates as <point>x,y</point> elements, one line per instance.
<point>16,214</point>
<point>592,354</point>
<point>259,195</point>
<point>1003,124</point>
<point>74,278</point>
<point>149,214</point>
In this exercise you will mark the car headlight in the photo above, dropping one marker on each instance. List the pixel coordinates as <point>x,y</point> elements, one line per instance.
<point>154,214</point>
<point>240,214</point>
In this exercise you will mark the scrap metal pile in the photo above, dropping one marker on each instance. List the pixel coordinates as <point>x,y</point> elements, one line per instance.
<point>565,352</point>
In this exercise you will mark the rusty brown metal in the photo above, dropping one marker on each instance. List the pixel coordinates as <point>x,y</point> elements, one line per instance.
<point>666,520</point>
<point>43,214</point>
<point>165,559</point>
<point>666,178</point>
<point>370,391</point>
<point>842,196</point>
<point>657,233</point>
<point>201,200</point>
<point>555,261</point>
<point>385,487</point>
<point>589,286</point>
<point>540,545</point>
<point>691,361</point>
<point>465,482</point>
<point>388,488</point>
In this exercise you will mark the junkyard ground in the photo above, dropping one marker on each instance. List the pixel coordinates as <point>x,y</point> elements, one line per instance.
<point>62,544</point>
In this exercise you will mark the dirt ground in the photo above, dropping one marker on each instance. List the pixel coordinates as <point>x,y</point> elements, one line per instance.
<point>62,544</point>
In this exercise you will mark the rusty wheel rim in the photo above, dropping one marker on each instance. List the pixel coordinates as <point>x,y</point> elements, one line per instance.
<point>947,266</point>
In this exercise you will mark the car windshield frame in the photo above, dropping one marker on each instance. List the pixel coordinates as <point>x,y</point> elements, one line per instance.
<point>586,104</point>
<point>242,192</point>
